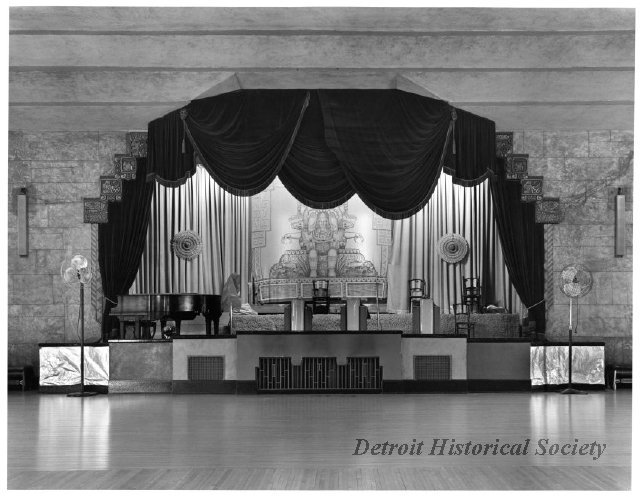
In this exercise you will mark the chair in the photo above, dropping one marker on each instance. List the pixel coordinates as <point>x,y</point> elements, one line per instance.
<point>320,301</point>
<point>416,292</point>
<point>472,294</point>
<point>464,326</point>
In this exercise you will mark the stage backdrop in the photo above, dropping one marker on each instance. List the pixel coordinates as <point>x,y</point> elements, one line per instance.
<point>279,245</point>
<point>291,241</point>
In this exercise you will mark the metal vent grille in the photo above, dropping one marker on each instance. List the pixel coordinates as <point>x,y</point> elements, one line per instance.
<point>432,367</point>
<point>205,368</point>
<point>319,374</point>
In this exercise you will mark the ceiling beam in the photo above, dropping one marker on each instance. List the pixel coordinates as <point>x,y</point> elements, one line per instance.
<point>190,19</point>
<point>308,51</point>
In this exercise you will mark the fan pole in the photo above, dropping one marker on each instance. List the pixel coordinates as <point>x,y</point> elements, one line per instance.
<point>82,393</point>
<point>570,389</point>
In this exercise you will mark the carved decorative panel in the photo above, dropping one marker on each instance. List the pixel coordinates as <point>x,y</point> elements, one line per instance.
<point>124,166</point>
<point>137,143</point>
<point>516,167</point>
<point>548,211</point>
<point>110,188</point>
<point>531,189</point>
<point>95,210</point>
<point>504,143</point>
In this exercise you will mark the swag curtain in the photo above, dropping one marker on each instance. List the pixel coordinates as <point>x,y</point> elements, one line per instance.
<point>312,141</point>
<point>386,145</point>
<point>221,220</point>
<point>452,208</point>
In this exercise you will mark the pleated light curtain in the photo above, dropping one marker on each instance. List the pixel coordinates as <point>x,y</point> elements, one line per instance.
<point>222,221</point>
<point>467,211</point>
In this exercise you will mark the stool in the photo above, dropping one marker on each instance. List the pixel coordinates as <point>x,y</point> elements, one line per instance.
<point>416,292</point>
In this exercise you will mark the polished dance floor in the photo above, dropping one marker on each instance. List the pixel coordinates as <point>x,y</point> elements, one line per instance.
<point>164,441</point>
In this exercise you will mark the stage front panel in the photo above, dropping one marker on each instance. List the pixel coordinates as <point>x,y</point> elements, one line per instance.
<point>385,345</point>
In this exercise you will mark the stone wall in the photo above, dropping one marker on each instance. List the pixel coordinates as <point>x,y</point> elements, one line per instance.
<point>58,169</point>
<point>597,162</point>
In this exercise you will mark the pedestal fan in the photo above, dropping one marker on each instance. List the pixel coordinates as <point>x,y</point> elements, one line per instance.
<point>575,282</point>
<point>77,272</point>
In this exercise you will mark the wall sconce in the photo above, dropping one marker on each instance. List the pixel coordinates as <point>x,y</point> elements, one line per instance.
<point>621,225</point>
<point>23,234</point>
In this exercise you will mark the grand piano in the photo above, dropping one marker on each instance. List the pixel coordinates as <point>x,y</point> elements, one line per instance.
<point>146,308</point>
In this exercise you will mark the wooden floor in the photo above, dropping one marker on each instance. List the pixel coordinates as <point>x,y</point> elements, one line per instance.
<point>164,441</point>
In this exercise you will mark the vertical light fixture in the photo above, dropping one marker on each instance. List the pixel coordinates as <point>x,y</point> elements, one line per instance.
<point>621,225</point>
<point>23,231</point>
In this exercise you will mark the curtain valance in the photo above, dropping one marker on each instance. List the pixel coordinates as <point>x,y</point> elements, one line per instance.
<point>388,146</point>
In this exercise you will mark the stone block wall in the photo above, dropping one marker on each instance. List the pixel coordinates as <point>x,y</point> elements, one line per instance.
<point>595,162</point>
<point>58,169</point>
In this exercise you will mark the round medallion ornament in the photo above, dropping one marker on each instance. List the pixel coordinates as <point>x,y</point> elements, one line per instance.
<point>186,245</point>
<point>453,248</point>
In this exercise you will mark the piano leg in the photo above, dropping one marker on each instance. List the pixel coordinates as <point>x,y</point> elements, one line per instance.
<point>178,321</point>
<point>208,326</point>
<point>136,331</point>
<point>216,325</point>
<point>123,329</point>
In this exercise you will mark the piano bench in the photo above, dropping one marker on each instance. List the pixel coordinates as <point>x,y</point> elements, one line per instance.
<point>147,329</point>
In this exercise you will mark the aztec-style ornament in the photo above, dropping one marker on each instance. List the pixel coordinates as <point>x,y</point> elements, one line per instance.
<point>95,210</point>
<point>110,188</point>
<point>548,211</point>
<point>453,248</point>
<point>124,166</point>
<point>516,167</point>
<point>531,189</point>
<point>186,245</point>
<point>137,143</point>
<point>504,143</point>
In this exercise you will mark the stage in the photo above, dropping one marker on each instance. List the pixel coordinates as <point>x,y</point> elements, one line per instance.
<point>386,361</point>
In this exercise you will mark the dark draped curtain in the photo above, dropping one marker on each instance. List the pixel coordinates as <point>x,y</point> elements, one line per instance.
<point>475,140</point>
<point>241,138</point>
<point>387,146</point>
<point>522,243</point>
<point>390,145</point>
<point>121,240</point>
<point>311,172</point>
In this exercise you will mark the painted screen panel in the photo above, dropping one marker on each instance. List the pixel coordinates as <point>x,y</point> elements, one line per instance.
<point>550,364</point>
<point>61,365</point>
